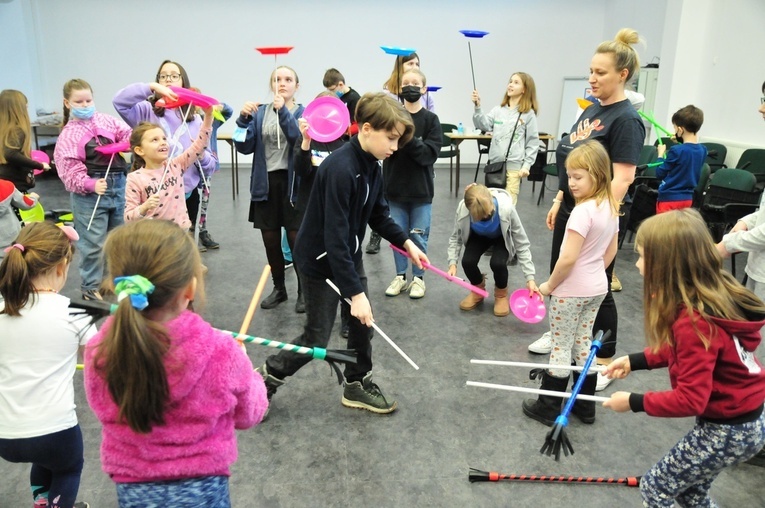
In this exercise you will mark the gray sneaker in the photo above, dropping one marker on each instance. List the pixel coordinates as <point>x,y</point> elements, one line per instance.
<point>272,384</point>
<point>365,394</point>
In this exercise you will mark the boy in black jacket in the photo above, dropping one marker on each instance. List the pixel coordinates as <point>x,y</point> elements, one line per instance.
<point>347,195</point>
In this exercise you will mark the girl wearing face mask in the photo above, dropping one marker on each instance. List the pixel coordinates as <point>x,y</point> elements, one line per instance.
<point>82,169</point>
<point>403,65</point>
<point>270,133</point>
<point>513,125</point>
<point>15,162</point>
<point>408,177</point>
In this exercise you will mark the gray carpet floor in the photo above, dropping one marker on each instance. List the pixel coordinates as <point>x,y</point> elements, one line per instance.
<point>312,451</point>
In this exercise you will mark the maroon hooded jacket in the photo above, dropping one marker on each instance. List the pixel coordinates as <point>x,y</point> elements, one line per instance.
<point>724,383</point>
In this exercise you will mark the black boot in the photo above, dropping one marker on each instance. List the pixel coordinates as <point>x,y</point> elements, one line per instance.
<point>546,408</point>
<point>373,247</point>
<point>585,409</point>
<point>277,296</point>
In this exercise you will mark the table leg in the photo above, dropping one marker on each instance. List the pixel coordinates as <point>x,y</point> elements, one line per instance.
<point>457,176</point>
<point>236,170</point>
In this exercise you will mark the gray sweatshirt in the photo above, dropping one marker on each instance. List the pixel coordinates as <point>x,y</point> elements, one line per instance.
<point>500,122</point>
<point>516,241</point>
<point>752,241</point>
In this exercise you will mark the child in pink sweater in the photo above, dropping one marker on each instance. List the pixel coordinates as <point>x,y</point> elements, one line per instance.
<point>168,407</point>
<point>155,185</point>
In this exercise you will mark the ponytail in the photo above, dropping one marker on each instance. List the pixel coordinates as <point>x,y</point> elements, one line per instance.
<point>159,260</point>
<point>131,360</point>
<point>38,249</point>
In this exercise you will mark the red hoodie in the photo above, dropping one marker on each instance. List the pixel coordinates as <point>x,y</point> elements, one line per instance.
<point>723,383</point>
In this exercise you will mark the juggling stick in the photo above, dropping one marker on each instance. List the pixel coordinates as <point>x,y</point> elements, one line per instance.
<point>255,299</point>
<point>172,153</point>
<point>536,391</point>
<point>377,329</point>
<point>598,368</point>
<point>476,475</point>
<point>472,72</point>
<point>472,34</point>
<point>556,438</point>
<point>98,199</point>
<point>653,121</point>
<point>281,50</point>
<point>456,280</point>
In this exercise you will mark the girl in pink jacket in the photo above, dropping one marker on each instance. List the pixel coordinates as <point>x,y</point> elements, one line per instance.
<point>168,389</point>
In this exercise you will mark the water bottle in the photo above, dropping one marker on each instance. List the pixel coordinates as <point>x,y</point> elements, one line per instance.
<point>460,128</point>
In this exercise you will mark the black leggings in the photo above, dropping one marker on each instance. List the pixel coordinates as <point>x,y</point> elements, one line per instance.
<point>608,316</point>
<point>192,205</point>
<point>475,246</point>
<point>272,240</point>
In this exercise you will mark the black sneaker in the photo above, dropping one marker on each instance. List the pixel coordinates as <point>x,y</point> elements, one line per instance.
<point>365,394</point>
<point>373,247</point>
<point>206,240</point>
<point>277,296</point>
<point>272,384</point>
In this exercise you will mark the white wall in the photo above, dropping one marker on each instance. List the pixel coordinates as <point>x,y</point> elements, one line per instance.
<point>712,58</point>
<point>111,44</point>
<point>19,52</point>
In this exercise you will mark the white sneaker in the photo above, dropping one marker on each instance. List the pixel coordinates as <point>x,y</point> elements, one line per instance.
<point>417,288</point>
<point>397,286</point>
<point>603,382</point>
<point>541,346</point>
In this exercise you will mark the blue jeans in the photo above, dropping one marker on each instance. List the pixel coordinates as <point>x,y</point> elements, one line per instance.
<point>56,463</point>
<point>414,219</point>
<point>320,311</point>
<point>208,491</point>
<point>109,215</point>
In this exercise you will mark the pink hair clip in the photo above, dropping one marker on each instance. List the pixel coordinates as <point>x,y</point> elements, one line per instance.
<point>14,246</point>
<point>69,232</point>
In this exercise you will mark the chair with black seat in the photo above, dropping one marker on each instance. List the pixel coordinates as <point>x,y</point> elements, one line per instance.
<point>716,154</point>
<point>728,189</point>
<point>448,148</point>
<point>753,160</point>
<point>648,154</point>
<point>548,170</point>
<point>667,141</point>
<point>483,149</point>
<point>644,196</point>
<point>698,192</point>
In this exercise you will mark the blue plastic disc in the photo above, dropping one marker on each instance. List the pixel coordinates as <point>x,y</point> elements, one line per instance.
<point>473,34</point>
<point>393,50</point>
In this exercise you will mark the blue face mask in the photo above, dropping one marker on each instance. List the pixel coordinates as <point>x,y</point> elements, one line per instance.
<point>339,93</point>
<point>83,113</point>
<point>239,135</point>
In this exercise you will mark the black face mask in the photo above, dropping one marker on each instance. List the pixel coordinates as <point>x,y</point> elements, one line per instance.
<point>411,93</point>
<point>679,138</point>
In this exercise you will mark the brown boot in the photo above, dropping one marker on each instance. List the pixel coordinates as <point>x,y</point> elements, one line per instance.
<point>501,303</point>
<point>472,300</point>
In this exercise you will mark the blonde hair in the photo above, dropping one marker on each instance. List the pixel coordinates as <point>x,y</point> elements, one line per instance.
<point>528,100</point>
<point>382,112</point>
<point>130,358</point>
<point>71,86</point>
<point>478,201</point>
<point>45,247</point>
<point>592,157</point>
<point>415,71</point>
<point>625,57</point>
<point>683,272</point>
<point>14,123</point>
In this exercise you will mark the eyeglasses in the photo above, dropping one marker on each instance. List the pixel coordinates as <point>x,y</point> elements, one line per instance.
<point>169,77</point>
<point>762,99</point>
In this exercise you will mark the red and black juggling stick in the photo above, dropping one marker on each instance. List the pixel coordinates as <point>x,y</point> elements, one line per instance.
<point>476,475</point>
